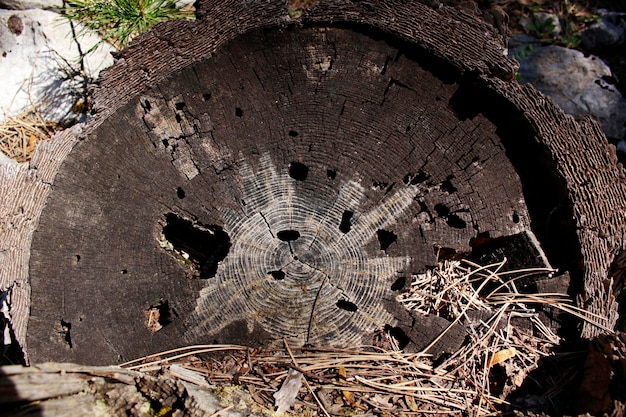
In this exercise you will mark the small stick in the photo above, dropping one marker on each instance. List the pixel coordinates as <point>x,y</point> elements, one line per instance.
<point>218,413</point>
<point>317,400</point>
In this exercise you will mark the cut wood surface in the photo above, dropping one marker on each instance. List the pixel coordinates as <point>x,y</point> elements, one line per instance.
<point>250,177</point>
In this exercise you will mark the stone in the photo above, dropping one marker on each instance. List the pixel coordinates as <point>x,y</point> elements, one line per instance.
<point>602,35</point>
<point>577,83</point>
<point>40,65</point>
<point>5,160</point>
<point>30,4</point>
<point>617,18</point>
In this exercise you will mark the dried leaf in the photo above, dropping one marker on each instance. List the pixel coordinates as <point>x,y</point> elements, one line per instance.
<point>32,142</point>
<point>347,395</point>
<point>285,397</point>
<point>341,372</point>
<point>501,356</point>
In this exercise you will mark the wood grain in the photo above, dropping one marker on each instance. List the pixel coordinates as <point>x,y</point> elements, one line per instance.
<point>380,132</point>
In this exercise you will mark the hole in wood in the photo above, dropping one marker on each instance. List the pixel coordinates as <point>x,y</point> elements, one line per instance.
<point>442,210</point>
<point>180,193</point>
<point>277,275</point>
<point>238,112</point>
<point>298,171</point>
<point>447,186</point>
<point>158,316</point>
<point>293,133</point>
<point>288,235</point>
<point>200,247</point>
<point>346,224</point>
<point>418,178</point>
<point>206,96</point>
<point>180,105</point>
<point>398,284</point>
<point>398,334</point>
<point>456,222</point>
<point>381,185</point>
<point>518,249</point>
<point>66,328</point>
<point>385,238</point>
<point>331,174</point>
<point>347,305</point>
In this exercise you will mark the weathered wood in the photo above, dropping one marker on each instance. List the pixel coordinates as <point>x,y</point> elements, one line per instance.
<point>596,190</point>
<point>62,389</point>
<point>242,145</point>
<point>352,126</point>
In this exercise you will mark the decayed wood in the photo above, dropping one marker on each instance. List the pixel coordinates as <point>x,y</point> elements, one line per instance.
<point>205,136</point>
<point>326,192</point>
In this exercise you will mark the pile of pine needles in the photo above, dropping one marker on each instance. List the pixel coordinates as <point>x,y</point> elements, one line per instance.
<point>20,135</point>
<point>385,381</point>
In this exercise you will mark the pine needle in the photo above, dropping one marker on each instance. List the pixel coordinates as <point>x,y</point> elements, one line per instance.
<point>20,135</point>
<point>401,382</point>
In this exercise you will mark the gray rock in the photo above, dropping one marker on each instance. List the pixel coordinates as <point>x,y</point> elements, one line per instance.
<point>30,4</point>
<point>602,35</point>
<point>617,18</point>
<point>39,63</point>
<point>576,83</point>
<point>608,33</point>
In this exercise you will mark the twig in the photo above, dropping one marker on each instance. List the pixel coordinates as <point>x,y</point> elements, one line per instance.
<point>219,413</point>
<point>192,350</point>
<point>317,400</point>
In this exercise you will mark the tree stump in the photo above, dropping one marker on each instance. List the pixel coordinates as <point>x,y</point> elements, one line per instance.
<point>249,177</point>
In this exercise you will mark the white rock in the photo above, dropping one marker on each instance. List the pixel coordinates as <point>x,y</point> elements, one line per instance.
<point>577,84</point>
<point>31,4</point>
<point>5,160</point>
<point>39,62</point>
